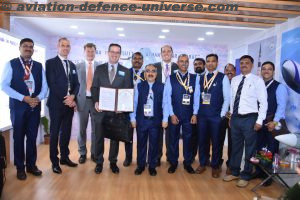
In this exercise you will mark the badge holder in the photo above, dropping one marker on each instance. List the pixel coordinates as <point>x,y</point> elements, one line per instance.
<point>147,110</point>
<point>186,99</point>
<point>206,98</point>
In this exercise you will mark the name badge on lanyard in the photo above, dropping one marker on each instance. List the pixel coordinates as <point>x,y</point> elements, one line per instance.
<point>147,110</point>
<point>186,99</point>
<point>29,85</point>
<point>206,98</point>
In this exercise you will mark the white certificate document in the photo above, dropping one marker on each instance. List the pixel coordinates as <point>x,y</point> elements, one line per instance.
<point>125,100</point>
<point>107,97</point>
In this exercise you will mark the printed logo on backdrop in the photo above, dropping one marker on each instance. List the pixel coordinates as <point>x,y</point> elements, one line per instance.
<point>5,5</point>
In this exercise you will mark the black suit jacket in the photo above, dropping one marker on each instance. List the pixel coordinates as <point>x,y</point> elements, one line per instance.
<point>101,79</point>
<point>58,82</point>
<point>159,70</point>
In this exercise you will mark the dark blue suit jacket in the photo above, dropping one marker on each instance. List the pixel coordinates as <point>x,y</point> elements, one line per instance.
<point>58,82</point>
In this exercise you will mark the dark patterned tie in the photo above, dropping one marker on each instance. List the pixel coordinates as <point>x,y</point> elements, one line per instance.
<point>238,97</point>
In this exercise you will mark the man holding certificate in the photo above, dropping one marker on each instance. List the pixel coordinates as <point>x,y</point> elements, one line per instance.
<point>182,93</point>
<point>107,78</point>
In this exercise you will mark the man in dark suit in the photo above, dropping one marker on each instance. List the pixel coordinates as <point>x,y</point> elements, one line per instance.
<point>24,81</point>
<point>137,76</point>
<point>63,87</point>
<point>164,69</point>
<point>110,75</point>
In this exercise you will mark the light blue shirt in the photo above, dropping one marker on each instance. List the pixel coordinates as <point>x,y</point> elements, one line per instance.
<point>281,97</point>
<point>168,96</point>
<point>135,104</point>
<point>6,82</point>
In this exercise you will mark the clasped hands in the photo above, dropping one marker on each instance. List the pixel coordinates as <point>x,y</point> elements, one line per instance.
<point>33,102</point>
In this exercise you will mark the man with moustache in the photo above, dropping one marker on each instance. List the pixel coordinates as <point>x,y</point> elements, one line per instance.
<point>230,73</point>
<point>110,75</point>
<point>85,104</point>
<point>214,103</point>
<point>182,93</point>
<point>199,66</point>
<point>137,75</point>
<point>63,84</point>
<point>277,100</point>
<point>165,68</point>
<point>247,90</point>
<point>24,81</point>
<point>150,114</point>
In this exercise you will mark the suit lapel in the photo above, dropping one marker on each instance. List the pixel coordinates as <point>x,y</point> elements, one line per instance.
<point>159,72</point>
<point>83,74</point>
<point>60,66</point>
<point>118,77</point>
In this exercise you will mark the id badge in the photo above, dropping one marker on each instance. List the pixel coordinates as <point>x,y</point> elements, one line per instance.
<point>206,98</point>
<point>147,110</point>
<point>29,85</point>
<point>186,99</point>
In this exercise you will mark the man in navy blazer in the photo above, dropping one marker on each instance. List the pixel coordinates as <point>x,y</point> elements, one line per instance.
<point>63,87</point>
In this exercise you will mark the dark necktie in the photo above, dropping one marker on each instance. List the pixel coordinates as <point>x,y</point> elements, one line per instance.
<point>67,68</point>
<point>112,74</point>
<point>238,97</point>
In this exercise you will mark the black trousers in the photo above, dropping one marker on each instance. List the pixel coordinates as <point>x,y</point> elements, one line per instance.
<point>60,132</point>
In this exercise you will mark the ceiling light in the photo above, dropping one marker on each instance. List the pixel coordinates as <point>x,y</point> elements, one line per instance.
<point>209,33</point>
<point>165,30</point>
<point>81,33</point>
<point>120,29</point>
<point>74,27</point>
<point>201,39</point>
<point>161,37</point>
<point>121,34</point>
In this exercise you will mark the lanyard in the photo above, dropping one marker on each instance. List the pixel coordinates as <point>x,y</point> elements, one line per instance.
<point>26,68</point>
<point>186,83</point>
<point>207,84</point>
<point>269,84</point>
<point>138,74</point>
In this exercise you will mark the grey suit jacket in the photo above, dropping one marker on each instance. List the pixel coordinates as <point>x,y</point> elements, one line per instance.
<point>101,79</point>
<point>81,71</point>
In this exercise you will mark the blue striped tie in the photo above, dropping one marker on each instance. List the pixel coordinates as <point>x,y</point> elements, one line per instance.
<point>238,97</point>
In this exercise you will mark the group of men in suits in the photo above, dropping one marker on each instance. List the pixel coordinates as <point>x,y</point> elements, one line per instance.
<point>168,101</point>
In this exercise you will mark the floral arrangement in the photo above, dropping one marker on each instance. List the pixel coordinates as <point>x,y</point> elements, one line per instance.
<point>264,155</point>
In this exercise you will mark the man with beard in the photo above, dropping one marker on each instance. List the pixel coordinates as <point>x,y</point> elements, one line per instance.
<point>230,73</point>
<point>137,75</point>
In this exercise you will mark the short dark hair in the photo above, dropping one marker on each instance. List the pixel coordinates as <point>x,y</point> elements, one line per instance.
<point>212,55</point>
<point>26,40</point>
<point>247,56</point>
<point>137,53</point>
<point>231,65</point>
<point>166,46</point>
<point>63,38</point>
<point>270,63</point>
<point>200,59</point>
<point>114,44</point>
<point>90,45</point>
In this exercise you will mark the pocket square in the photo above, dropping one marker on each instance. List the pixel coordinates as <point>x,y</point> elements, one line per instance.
<point>121,73</point>
<point>74,71</point>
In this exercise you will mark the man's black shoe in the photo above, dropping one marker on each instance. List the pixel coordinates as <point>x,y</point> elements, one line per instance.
<point>114,168</point>
<point>21,175</point>
<point>34,170</point>
<point>68,162</point>
<point>98,168</point>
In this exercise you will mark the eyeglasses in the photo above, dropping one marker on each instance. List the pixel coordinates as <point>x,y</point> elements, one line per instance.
<point>150,71</point>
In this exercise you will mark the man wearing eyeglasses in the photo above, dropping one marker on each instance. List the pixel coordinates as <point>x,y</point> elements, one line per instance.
<point>24,81</point>
<point>150,114</point>
<point>110,75</point>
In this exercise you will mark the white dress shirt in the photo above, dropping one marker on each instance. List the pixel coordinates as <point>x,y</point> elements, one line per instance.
<point>163,67</point>
<point>253,92</point>
<point>64,64</point>
<point>88,93</point>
